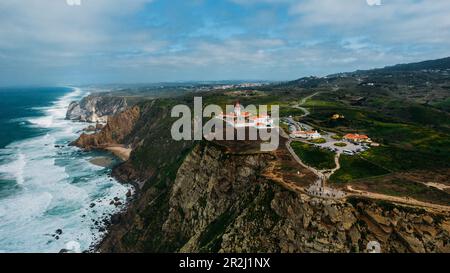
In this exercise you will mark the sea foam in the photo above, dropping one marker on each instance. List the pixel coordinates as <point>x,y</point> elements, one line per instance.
<point>57,187</point>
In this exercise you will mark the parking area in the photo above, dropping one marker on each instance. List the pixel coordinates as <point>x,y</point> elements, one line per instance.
<point>350,148</point>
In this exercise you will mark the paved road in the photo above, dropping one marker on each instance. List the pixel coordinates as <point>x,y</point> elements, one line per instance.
<point>303,101</point>
<point>318,188</point>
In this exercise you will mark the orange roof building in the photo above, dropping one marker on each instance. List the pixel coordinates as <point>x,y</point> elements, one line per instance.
<point>357,138</point>
<point>240,118</point>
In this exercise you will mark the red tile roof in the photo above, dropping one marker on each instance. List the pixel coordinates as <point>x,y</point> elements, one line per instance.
<point>355,136</point>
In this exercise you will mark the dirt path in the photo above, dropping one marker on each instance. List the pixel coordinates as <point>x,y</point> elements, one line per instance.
<point>395,199</point>
<point>439,186</point>
<point>329,173</point>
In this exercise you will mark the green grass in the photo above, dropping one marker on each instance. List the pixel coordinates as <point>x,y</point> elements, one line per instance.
<point>355,167</point>
<point>318,141</point>
<point>314,156</point>
<point>284,126</point>
<point>444,105</point>
<point>286,111</point>
<point>321,103</point>
<point>401,159</point>
<point>340,144</point>
<point>385,129</point>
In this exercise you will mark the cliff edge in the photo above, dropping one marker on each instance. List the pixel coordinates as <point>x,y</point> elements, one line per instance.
<point>223,202</point>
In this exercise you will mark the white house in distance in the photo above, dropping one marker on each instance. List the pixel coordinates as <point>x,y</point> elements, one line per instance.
<point>241,118</point>
<point>312,134</point>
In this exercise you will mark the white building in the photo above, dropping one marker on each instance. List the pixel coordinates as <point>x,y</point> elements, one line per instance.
<point>306,134</point>
<point>240,118</point>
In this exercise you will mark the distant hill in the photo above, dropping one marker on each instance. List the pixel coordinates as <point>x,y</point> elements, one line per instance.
<point>439,64</point>
<point>306,82</point>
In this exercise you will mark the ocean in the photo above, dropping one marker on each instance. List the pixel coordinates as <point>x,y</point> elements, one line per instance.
<point>51,196</point>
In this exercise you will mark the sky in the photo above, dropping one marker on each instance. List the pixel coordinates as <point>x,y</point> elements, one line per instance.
<point>55,42</point>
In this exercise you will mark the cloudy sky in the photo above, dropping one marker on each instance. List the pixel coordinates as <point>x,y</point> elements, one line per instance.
<point>136,41</point>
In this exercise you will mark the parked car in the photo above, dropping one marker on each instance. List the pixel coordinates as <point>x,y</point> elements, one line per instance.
<point>347,152</point>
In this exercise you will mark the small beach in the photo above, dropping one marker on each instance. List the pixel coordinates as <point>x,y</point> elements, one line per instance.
<point>120,151</point>
<point>102,161</point>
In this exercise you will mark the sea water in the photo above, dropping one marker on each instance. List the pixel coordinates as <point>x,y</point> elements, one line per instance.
<point>51,196</point>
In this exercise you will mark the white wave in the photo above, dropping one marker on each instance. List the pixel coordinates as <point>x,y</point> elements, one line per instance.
<point>73,247</point>
<point>44,122</point>
<point>14,170</point>
<point>58,187</point>
<point>55,114</point>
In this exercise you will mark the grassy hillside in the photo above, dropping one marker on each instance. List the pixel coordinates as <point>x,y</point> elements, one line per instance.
<point>313,156</point>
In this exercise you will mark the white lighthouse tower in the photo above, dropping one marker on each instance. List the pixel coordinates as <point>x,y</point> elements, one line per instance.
<point>237,109</point>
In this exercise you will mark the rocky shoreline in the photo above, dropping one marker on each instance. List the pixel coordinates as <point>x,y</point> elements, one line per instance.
<point>99,110</point>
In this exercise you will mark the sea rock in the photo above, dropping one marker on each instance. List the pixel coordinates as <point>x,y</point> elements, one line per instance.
<point>99,126</point>
<point>115,219</point>
<point>90,128</point>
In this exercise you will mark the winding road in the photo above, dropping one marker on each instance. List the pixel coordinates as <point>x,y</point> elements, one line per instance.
<point>317,188</point>
<point>323,175</point>
<point>303,101</point>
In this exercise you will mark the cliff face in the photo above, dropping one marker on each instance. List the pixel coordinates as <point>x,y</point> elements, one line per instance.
<point>95,108</point>
<point>216,201</point>
<point>115,132</point>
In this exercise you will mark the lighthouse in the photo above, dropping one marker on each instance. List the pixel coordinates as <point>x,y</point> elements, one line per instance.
<point>237,109</point>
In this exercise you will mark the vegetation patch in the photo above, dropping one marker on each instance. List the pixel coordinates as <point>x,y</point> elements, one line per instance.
<point>336,137</point>
<point>290,111</point>
<point>401,159</point>
<point>340,144</point>
<point>318,141</point>
<point>356,167</point>
<point>400,186</point>
<point>314,156</point>
<point>211,239</point>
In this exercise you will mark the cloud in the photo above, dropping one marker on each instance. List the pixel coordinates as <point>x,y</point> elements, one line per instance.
<point>144,40</point>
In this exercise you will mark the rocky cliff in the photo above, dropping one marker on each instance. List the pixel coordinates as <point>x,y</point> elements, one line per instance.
<point>115,131</point>
<point>96,108</point>
<point>217,201</point>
